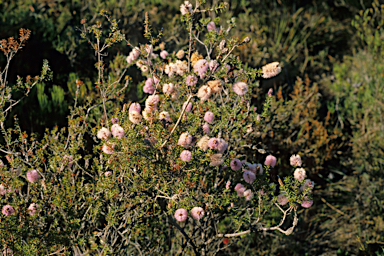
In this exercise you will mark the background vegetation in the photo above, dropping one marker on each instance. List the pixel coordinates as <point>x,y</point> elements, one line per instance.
<point>328,102</point>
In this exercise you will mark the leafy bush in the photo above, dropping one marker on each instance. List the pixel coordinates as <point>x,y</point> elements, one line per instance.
<point>164,183</point>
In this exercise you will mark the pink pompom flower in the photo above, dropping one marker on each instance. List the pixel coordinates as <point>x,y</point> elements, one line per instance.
<point>165,116</point>
<point>186,8</point>
<point>117,131</point>
<point>163,54</point>
<point>103,134</point>
<point>240,88</point>
<point>33,176</point>
<point>181,214</point>
<point>307,202</point>
<point>299,174</point>
<point>270,91</point>
<point>204,93</point>
<point>32,209</point>
<point>185,140</point>
<point>249,177</point>
<point>307,184</point>
<point>200,67</point>
<point>228,184</point>
<point>188,107</point>
<point>222,146</point>
<point>8,210</point>
<point>270,160</point>
<point>108,148</point>
<point>295,160</point>
<point>235,164</point>
<point>186,155</point>
<point>240,189</point>
<point>148,89</point>
<point>135,107</point>
<point>248,194</point>
<point>213,143</point>
<point>107,174</point>
<point>197,213</point>
<point>191,80</point>
<point>206,128</point>
<point>211,26</point>
<point>209,117</point>
<point>282,199</point>
<point>114,120</point>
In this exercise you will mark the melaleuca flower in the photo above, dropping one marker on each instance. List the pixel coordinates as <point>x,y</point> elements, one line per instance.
<point>213,65</point>
<point>68,159</point>
<point>144,68</point>
<point>307,184</point>
<point>240,189</point>
<point>204,93</point>
<point>201,67</point>
<point>227,184</point>
<point>8,210</point>
<point>240,88</point>
<point>165,116</point>
<point>222,146</point>
<point>216,160</point>
<point>250,167</point>
<point>203,143</point>
<point>107,174</point>
<point>216,85</point>
<point>197,213</point>
<point>270,91</point>
<point>181,214</point>
<point>191,80</point>
<point>168,89</point>
<point>249,177</point>
<point>32,209</point>
<point>148,87</point>
<point>170,69</point>
<point>103,134</point>
<point>186,155</point>
<point>295,160</point>
<point>206,128</point>
<point>235,164</point>
<point>114,120</point>
<point>108,148</point>
<point>299,174</point>
<point>209,117</point>
<point>148,115</point>
<point>3,191</point>
<point>248,194</point>
<point>270,160</point>
<point>135,117</point>
<point>195,57</point>
<point>271,70</point>
<point>135,107</point>
<point>151,102</point>
<point>33,176</point>
<point>149,48</point>
<point>186,8</point>
<point>211,26</point>
<point>282,199</point>
<point>163,54</point>
<point>181,67</point>
<point>185,140</point>
<point>260,168</point>
<point>180,54</point>
<point>213,143</point>
<point>117,131</point>
<point>133,55</point>
<point>307,202</point>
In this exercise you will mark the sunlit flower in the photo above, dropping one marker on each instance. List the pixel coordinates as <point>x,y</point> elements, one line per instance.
<point>240,88</point>
<point>204,93</point>
<point>299,174</point>
<point>295,160</point>
<point>270,160</point>
<point>117,131</point>
<point>197,213</point>
<point>181,214</point>
<point>271,70</point>
<point>191,80</point>
<point>135,107</point>
<point>33,176</point>
<point>185,140</point>
<point>8,210</point>
<point>103,133</point>
<point>180,54</point>
<point>203,143</point>
<point>249,177</point>
<point>135,117</point>
<point>201,67</point>
<point>186,155</point>
<point>215,85</point>
<point>186,8</point>
<point>165,116</point>
<point>248,194</point>
<point>209,117</point>
<point>108,148</point>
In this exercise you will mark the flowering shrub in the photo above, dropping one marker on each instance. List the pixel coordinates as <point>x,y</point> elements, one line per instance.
<point>159,176</point>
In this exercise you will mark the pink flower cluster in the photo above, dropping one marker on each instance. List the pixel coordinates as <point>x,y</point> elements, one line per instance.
<point>182,214</point>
